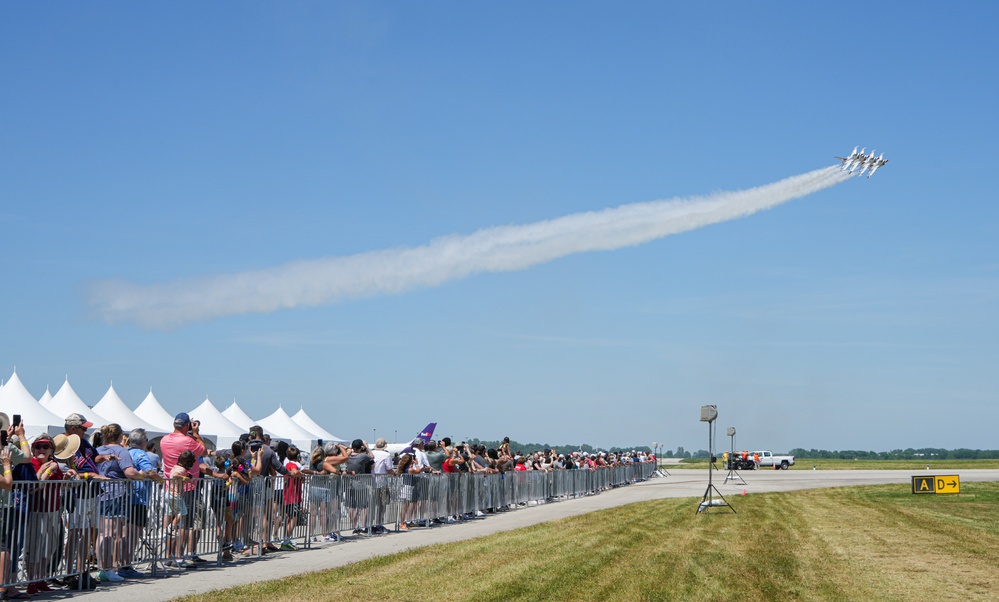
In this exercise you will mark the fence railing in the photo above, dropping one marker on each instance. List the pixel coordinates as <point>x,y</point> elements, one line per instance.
<point>61,529</point>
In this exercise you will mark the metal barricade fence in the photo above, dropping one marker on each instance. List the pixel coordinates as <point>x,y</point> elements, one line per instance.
<point>65,528</point>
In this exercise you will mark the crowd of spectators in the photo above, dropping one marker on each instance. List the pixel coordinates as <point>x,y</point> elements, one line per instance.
<point>70,504</point>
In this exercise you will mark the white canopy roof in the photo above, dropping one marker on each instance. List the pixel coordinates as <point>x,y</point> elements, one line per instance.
<point>45,398</point>
<point>237,416</point>
<point>15,399</point>
<point>213,423</point>
<point>306,422</point>
<point>152,412</point>
<point>66,402</point>
<point>114,409</point>
<point>280,424</point>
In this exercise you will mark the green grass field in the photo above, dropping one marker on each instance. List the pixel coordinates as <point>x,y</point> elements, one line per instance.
<point>833,464</point>
<point>853,543</point>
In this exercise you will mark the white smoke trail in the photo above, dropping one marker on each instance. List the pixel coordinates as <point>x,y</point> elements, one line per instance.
<point>496,249</point>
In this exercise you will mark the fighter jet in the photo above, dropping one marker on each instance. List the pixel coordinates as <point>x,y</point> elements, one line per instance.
<point>868,163</point>
<point>878,163</point>
<point>849,158</point>
<point>850,162</point>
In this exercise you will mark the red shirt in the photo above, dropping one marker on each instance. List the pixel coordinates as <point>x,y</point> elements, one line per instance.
<point>293,486</point>
<point>170,447</point>
<point>47,498</point>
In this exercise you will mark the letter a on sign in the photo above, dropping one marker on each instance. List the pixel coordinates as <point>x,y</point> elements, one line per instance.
<point>923,485</point>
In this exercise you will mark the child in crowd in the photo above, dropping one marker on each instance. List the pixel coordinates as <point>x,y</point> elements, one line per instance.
<point>174,499</point>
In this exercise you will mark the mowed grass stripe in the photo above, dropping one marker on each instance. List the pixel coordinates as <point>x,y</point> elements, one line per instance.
<point>853,543</point>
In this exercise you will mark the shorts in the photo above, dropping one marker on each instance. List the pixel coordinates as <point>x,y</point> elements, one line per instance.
<point>406,493</point>
<point>358,494</point>
<point>138,515</point>
<point>320,494</point>
<point>112,508</point>
<point>7,522</point>
<point>195,508</point>
<point>420,485</point>
<point>84,514</point>
<point>44,536</point>
<point>174,505</point>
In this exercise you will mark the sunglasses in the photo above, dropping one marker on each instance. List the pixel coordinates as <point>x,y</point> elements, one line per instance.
<point>41,446</point>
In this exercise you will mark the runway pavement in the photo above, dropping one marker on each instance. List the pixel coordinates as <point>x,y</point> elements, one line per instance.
<point>681,483</point>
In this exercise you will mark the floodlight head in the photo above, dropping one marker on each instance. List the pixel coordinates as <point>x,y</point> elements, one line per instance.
<point>731,431</point>
<point>709,413</point>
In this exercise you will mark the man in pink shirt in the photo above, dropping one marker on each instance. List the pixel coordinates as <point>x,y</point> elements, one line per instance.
<point>185,436</point>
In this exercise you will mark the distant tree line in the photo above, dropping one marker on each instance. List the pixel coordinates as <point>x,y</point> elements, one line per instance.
<point>562,449</point>
<point>926,453</point>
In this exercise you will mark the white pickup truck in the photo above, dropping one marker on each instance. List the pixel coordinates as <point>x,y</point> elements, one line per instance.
<point>767,458</point>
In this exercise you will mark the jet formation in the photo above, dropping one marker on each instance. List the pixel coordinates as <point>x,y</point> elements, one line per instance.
<point>866,162</point>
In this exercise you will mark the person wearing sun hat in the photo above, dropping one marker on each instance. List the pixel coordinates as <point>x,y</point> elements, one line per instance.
<point>44,524</point>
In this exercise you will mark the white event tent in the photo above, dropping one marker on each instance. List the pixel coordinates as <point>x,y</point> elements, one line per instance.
<point>15,399</point>
<point>114,409</point>
<point>66,402</point>
<point>215,425</point>
<point>152,412</point>
<point>237,416</point>
<point>306,422</point>
<point>279,424</point>
<point>45,398</point>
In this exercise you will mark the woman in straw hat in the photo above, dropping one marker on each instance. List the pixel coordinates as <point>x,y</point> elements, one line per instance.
<point>44,521</point>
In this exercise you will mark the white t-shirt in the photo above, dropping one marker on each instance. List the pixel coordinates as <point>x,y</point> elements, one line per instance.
<point>383,461</point>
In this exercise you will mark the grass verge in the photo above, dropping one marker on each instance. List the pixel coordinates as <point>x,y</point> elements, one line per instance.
<point>853,543</point>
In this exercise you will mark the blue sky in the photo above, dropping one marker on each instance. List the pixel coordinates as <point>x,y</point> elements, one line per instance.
<point>154,144</point>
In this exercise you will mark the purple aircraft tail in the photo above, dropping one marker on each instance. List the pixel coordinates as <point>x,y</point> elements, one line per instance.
<point>426,433</point>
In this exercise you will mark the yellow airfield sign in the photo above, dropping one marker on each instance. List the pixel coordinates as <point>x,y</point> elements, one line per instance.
<point>936,484</point>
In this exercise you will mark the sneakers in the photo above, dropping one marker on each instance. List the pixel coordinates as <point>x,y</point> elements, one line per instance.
<point>227,556</point>
<point>331,537</point>
<point>130,573</point>
<point>110,576</point>
<point>196,559</point>
<point>75,581</point>
<point>288,546</point>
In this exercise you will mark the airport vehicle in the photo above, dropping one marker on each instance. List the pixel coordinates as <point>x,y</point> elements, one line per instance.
<point>864,161</point>
<point>767,458</point>
<point>736,462</point>
<point>424,435</point>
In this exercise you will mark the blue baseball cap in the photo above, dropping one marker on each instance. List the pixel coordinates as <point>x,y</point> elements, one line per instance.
<point>181,420</point>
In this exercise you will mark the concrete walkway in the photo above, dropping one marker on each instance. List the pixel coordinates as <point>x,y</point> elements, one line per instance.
<point>681,483</point>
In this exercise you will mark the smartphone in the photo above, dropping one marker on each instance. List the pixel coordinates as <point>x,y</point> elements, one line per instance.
<point>16,422</point>
<point>3,438</point>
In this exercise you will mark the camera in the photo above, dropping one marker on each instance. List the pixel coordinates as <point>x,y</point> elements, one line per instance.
<point>256,445</point>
